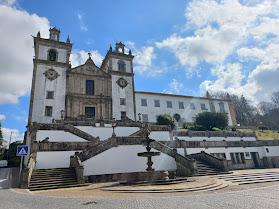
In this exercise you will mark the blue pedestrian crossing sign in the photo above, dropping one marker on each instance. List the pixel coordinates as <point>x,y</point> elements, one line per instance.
<point>22,150</point>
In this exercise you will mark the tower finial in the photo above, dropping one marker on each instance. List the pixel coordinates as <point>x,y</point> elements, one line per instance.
<point>68,39</point>
<point>38,34</point>
<point>89,54</point>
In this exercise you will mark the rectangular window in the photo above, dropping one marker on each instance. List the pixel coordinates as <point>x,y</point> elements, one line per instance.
<point>50,95</point>
<point>169,104</point>
<point>203,107</point>
<point>122,101</point>
<point>156,103</point>
<point>144,118</point>
<point>192,106</point>
<point>181,105</point>
<point>143,102</point>
<point>193,119</point>
<point>90,87</point>
<point>123,114</point>
<point>222,108</point>
<point>242,157</point>
<point>48,111</point>
<point>237,158</point>
<point>232,158</point>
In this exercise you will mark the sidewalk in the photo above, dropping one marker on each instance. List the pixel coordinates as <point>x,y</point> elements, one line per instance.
<point>193,186</point>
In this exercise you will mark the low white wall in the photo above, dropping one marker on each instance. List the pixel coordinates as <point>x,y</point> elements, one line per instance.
<point>160,135</point>
<point>272,151</point>
<point>58,136</point>
<point>124,159</point>
<point>106,132</point>
<point>227,151</point>
<point>187,138</point>
<point>54,159</point>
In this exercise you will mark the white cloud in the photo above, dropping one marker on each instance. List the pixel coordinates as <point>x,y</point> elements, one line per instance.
<point>16,51</point>
<point>143,60</point>
<point>83,27</point>
<point>7,2</point>
<point>15,136</point>
<point>79,57</point>
<point>219,28</point>
<point>177,88</point>
<point>2,117</point>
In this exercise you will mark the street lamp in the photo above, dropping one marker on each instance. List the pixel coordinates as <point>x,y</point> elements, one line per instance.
<point>62,114</point>
<point>139,117</point>
<point>113,124</point>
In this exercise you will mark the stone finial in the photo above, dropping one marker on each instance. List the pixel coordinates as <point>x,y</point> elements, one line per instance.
<point>228,96</point>
<point>110,48</point>
<point>38,34</point>
<point>68,39</point>
<point>207,95</point>
<point>130,52</point>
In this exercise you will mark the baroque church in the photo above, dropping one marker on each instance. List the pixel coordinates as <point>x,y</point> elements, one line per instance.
<point>90,123</point>
<point>103,92</point>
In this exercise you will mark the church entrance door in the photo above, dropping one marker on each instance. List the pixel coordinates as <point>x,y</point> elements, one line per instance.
<point>90,112</point>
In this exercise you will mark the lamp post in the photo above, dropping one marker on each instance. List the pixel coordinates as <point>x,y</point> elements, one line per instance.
<point>62,114</point>
<point>139,117</point>
<point>113,124</point>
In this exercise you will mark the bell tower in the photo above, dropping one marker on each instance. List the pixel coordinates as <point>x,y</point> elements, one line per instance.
<point>120,66</point>
<point>48,89</point>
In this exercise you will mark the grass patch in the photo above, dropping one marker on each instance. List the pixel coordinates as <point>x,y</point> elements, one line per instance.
<point>263,135</point>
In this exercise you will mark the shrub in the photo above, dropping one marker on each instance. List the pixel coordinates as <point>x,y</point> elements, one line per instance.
<point>167,119</point>
<point>197,128</point>
<point>263,128</point>
<point>212,119</point>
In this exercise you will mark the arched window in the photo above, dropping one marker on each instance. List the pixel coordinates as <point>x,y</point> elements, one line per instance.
<point>177,117</point>
<point>121,66</point>
<point>52,55</point>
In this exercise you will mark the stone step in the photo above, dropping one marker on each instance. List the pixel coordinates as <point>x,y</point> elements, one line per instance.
<point>57,187</point>
<point>52,180</point>
<point>249,175</point>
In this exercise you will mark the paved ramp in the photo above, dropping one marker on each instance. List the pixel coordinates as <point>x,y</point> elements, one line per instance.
<point>5,178</point>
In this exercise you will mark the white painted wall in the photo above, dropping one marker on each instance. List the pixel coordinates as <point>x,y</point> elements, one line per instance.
<point>43,53</point>
<point>59,159</point>
<point>58,136</point>
<point>273,151</point>
<point>186,113</point>
<point>124,159</point>
<point>106,132</point>
<point>187,138</point>
<point>227,151</point>
<point>43,85</point>
<point>160,135</point>
<point>127,93</point>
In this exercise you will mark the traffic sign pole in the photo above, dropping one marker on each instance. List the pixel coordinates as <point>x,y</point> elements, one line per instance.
<point>20,168</point>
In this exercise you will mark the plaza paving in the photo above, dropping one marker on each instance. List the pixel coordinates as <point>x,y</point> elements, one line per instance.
<point>255,195</point>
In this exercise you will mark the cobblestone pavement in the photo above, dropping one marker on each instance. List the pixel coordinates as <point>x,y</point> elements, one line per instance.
<point>264,197</point>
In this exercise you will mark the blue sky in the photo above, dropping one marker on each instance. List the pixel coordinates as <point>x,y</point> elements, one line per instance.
<point>181,47</point>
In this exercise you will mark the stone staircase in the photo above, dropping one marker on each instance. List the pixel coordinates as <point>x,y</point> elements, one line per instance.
<point>206,170</point>
<point>53,178</point>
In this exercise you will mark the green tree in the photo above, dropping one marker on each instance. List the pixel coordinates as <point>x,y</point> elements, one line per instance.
<point>212,119</point>
<point>167,119</point>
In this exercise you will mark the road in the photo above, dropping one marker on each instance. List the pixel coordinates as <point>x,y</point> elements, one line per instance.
<point>265,197</point>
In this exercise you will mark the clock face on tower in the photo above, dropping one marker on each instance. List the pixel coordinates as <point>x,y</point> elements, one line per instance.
<point>122,82</point>
<point>51,74</point>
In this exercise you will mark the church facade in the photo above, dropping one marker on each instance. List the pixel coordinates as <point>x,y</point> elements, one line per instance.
<point>104,92</point>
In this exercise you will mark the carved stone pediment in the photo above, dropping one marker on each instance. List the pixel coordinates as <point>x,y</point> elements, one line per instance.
<point>88,70</point>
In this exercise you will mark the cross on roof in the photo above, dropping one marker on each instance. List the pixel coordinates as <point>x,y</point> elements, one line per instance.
<point>89,54</point>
